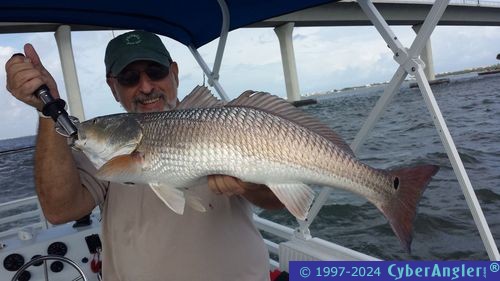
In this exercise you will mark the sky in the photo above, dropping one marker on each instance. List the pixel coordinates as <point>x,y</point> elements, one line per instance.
<point>327,58</point>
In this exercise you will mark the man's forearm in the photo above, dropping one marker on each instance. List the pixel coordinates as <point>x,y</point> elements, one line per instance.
<point>56,177</point>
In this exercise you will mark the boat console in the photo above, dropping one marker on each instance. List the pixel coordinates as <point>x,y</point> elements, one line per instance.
<point>80,244</point>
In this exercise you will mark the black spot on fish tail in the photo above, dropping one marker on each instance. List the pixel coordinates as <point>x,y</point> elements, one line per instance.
<point>409,184</point>
<point>396,183</point>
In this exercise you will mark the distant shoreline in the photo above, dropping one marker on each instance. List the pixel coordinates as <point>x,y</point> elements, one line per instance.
<point>469,70</point>
<point>494,67</point>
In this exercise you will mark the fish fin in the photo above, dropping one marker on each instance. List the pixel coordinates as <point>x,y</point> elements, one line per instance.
<point>297,197</point>
<point>200,97</point>
<point>278,106</point>
<point>410,184</point>
<point>172,197</point>
<point>121,168</point>
<point>195,203</point>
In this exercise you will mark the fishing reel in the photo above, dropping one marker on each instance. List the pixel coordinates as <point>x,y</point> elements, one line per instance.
<point>55,108</point>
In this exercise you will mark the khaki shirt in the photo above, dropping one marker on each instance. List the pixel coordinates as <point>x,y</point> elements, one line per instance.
<point>143,240</point>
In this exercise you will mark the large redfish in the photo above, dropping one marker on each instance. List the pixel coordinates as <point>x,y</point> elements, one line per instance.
<point>257,138</point>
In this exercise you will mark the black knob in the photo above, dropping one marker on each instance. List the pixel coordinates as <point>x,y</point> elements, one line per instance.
<point>57,266</point>
<point>37,263</point>
<point>85,260</point>
<point>57,248</point>
<point>25,276</point>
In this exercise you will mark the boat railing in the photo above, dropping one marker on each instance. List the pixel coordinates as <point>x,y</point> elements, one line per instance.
<point>25,213</point>
<point>287,244</point>
<point>281,241</point>
<point>18,214</point>
<point>277,230</point>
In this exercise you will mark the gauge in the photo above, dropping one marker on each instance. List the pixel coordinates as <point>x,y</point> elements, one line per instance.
<point>57,266</point>
<point>13,262</point>
<point>57,248</point>
<point>37,263</point>
<point>25,276</point>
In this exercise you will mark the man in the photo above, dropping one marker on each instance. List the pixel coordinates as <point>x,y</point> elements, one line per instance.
<point>142,238</point>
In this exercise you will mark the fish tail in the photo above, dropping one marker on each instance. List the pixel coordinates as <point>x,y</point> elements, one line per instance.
<point>409,183</point>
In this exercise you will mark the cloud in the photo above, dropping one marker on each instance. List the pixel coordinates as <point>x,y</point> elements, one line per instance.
<point>327,58</point>
<point>6,52</point>
<point>16,118</point>
<point>334,58</point>
<point>13,112</point>
<point>456,48</point>
<point>252,48</point>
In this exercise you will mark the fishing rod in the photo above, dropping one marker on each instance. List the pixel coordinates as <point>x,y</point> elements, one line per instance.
<point>55,108</point>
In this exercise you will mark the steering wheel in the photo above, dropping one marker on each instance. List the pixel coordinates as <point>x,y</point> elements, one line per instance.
<point>50,257</point>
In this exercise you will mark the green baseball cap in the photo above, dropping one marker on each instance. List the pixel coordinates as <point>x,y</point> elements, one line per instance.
<point>133,46</point>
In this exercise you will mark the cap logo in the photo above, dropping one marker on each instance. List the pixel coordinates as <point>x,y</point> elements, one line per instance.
<point>133,39</point>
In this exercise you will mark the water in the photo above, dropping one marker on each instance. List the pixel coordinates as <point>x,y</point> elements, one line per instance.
<point>16,168</point>
<point>404,136</point>
<point>444,228</point>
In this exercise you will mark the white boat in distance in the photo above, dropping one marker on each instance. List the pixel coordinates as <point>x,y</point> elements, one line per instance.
<point>77,244</point>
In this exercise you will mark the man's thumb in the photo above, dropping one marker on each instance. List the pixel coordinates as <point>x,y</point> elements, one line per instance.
<point>31,54</point>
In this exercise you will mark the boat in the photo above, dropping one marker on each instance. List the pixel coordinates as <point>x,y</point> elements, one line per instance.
<point>39,250</point>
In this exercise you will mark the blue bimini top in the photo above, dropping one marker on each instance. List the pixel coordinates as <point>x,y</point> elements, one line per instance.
<point>190,22</point>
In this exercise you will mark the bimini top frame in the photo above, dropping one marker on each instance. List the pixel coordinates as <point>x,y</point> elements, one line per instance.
<point>410,63</point>
<point>186,21</point>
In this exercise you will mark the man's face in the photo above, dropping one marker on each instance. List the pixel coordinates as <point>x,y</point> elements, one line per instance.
<point>143,87</point>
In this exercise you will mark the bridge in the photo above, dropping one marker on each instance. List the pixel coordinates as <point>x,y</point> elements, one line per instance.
<point>394,12</point>
<point>349,13</point>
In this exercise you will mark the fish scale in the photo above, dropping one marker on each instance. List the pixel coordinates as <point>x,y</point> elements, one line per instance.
<point>229,131</point>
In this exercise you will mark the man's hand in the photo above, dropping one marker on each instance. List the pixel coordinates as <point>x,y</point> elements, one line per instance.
<point>228,185</point>
<point>25,75</point>
<point>257,194</point>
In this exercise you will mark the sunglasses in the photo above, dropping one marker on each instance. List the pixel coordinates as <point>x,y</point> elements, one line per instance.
<point>129,78</point>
